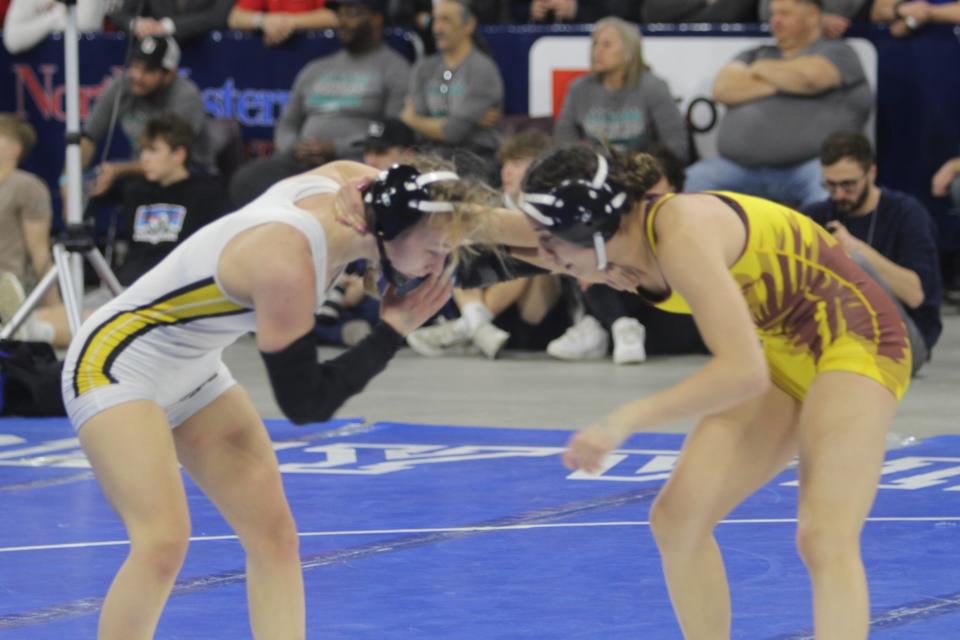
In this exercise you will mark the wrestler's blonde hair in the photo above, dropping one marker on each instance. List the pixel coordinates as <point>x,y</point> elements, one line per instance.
<point>468,227</point>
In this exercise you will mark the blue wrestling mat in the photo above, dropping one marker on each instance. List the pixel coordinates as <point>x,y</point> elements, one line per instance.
<point>413,531</point>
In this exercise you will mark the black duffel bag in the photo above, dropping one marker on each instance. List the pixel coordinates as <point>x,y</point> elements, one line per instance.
<point>30,380</point>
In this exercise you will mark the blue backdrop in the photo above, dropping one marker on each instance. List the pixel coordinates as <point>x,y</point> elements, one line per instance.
<point>918,93</point>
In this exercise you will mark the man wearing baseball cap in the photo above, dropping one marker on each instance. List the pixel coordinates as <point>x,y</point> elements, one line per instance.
<point>150,87</point>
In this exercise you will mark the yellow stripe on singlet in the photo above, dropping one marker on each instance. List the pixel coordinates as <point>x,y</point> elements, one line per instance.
<point>202,299</point>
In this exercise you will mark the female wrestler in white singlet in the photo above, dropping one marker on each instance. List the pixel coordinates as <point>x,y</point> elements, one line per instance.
<point>151,360</point>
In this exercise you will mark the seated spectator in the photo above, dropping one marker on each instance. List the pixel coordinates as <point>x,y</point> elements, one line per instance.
<point>29,22</point>
<point>277,20</point>
<point>387,143</point>
<point>946,181</point>
<point>700,10</point>
<point>25,215</point>
<point>637,328</point>
<point>888,232</point>
<point>837,15</point>
<point>782,101</point>
<point>332,102</point>
<point>159,210</point>
<point>456,95</point>
<point>150,87</point>
<point>525,313</point>
<point>621,102</point>
<point>183,19</point>
<point>906,18</point>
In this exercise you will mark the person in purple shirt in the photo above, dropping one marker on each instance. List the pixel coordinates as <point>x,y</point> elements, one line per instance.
<point>888,232</point>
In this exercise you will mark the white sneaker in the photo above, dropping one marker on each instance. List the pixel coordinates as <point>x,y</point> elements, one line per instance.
<point>490,339</point>
<point>586,340</point>
<point>11,298</point>
<point>443,338</point>
<point>628,341</point>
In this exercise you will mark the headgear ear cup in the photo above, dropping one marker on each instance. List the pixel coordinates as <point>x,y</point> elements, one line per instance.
<point>583,213</point>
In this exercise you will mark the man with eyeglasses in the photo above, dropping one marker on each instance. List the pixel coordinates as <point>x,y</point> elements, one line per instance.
<point>456,95</point>
<point>332,102</point>
<point>888,232</point>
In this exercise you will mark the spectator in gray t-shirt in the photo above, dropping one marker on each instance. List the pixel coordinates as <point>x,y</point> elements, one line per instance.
<point>150,87</point>
<point>782,101</point>
<point>456,95</point>
<point>332,102</point>
<point>621,102</point>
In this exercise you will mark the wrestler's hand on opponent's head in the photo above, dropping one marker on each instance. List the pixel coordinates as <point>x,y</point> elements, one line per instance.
<point>588,447</point>
<point>407,312</point>
<point>348,206</point>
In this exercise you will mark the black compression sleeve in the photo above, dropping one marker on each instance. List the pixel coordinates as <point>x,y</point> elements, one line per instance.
<point>488,268</point>
<point>311,391</point>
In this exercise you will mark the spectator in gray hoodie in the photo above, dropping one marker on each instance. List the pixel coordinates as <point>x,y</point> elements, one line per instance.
<point>621,102</point>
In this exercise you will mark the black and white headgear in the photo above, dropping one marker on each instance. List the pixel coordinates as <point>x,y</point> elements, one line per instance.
<point>581,212</point>
<point>399,198</point>
<point>401,195</point>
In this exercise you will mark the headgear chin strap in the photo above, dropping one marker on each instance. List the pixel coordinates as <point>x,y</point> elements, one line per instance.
<point>581,212</point>
<point>398,199</point>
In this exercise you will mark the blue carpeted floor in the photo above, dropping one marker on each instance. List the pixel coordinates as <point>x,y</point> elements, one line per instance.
<point>413,531</point>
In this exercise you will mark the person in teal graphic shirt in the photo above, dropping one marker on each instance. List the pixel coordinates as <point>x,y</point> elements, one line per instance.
<point>456,95</point>
<point>332,102</point>
<point>621,102</point>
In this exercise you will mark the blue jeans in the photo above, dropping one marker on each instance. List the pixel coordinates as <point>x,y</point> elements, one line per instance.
<point>794,186</point>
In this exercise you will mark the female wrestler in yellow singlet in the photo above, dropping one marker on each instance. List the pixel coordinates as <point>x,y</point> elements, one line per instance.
<point>823,380</point>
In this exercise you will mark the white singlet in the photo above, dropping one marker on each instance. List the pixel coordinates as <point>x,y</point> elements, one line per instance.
<point>162,338</point>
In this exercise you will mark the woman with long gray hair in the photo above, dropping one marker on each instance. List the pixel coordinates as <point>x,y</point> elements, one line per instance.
<point>621,102</point>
